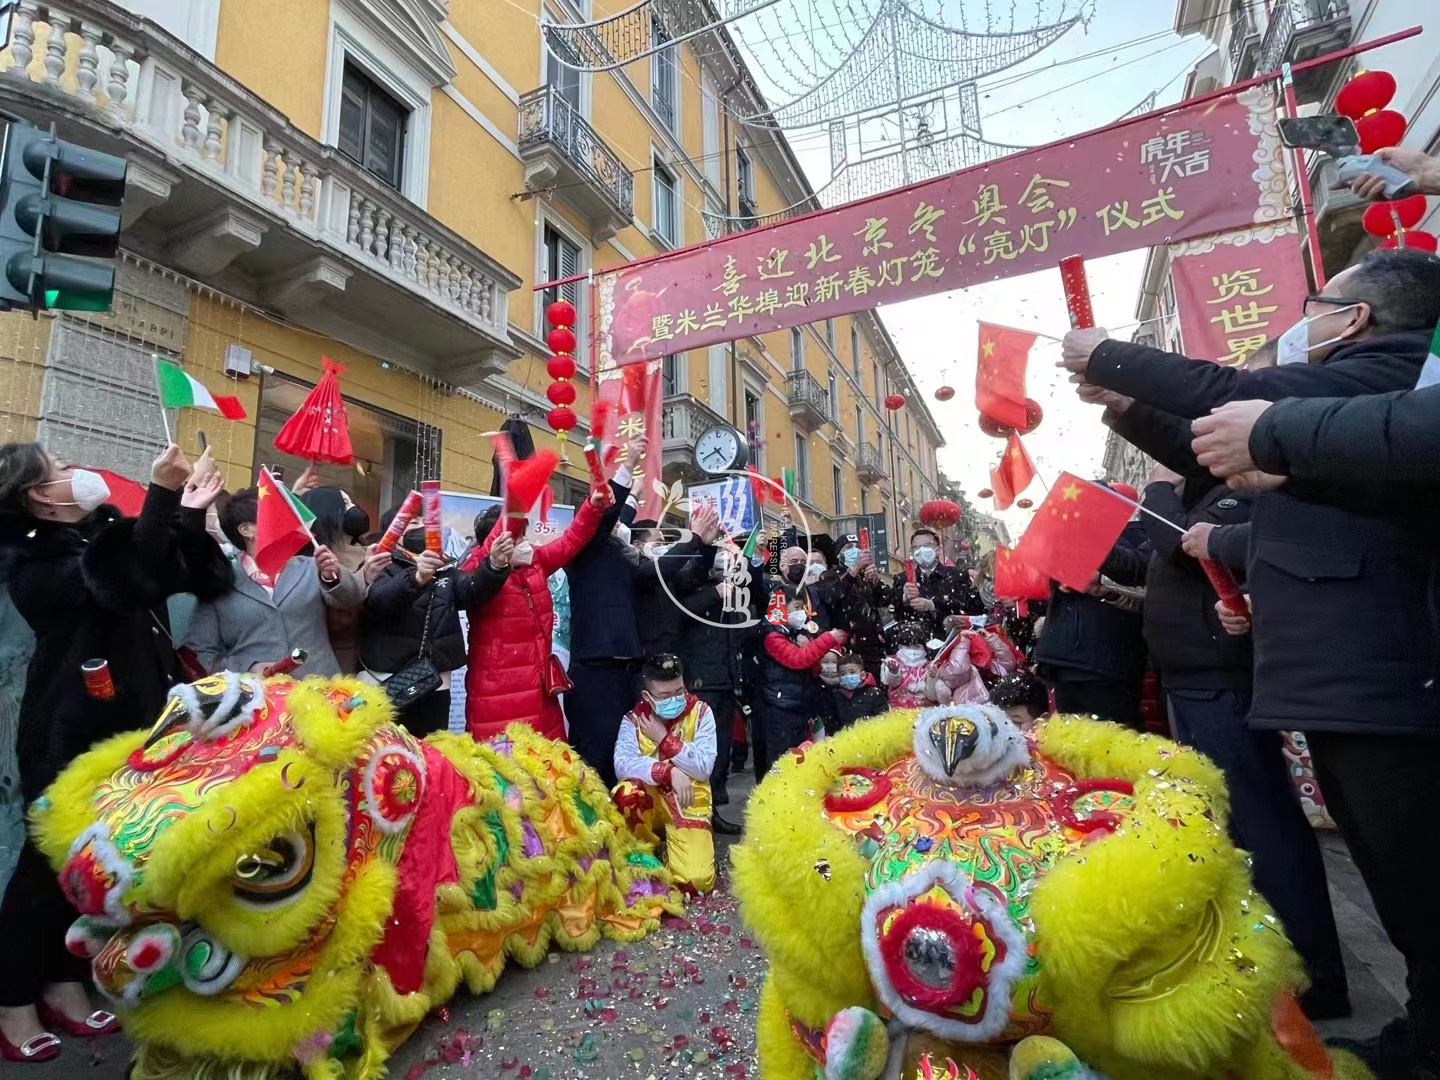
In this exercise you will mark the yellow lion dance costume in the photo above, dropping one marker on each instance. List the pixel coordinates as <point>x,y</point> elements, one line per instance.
<point>938,889</point>
<point>279,874</point>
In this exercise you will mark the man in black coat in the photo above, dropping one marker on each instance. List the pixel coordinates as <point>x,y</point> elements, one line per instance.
<point>936,592</point>
<point>860,601</point>
<point>1091,653</point>
<point>1206,675</point>
<point>1345,638</point>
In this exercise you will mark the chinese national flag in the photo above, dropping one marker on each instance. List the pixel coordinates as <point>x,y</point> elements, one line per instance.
<point>282,525</point>
<point>1073,531</point>
<point>1013,474</point>
<point>1016,580</point>
<point>1000,373</point>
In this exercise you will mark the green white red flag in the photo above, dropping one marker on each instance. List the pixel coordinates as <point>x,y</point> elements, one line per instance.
<point>179,391</point>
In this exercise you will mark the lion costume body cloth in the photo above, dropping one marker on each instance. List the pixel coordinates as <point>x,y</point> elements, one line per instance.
<point>280,875</point>
<point>1090,894</point>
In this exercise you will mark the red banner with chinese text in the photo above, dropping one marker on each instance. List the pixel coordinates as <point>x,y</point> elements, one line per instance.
<point>1196,170</point>
<point>1236,291</point>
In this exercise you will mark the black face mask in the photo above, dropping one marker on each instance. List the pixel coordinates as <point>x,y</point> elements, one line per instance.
<point>414,541</point>
<point>795,573</point>
<point>356,522</point>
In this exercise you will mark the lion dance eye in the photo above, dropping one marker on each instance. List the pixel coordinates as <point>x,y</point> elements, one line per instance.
<point>277,872</point>
<point>207,966</point>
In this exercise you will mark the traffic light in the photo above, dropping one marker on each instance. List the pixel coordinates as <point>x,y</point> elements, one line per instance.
<point>59,222</point>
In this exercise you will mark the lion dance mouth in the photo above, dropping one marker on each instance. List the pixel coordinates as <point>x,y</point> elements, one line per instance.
<point>278,875</point>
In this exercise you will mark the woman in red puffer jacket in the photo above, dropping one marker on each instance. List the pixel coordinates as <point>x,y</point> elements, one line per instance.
<point>509,668</point>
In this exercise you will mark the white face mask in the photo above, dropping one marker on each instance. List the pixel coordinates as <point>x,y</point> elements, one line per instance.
<point>813,571</point>
<point>88,490</point>
<point>910,655</point>
<point>925,556</point>
<point>1294,345</point>
<point>524,553</point>
<point>796,620</point>
<point>622,532</point>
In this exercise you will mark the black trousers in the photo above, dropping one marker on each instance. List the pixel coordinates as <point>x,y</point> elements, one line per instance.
<point>1377,788</point>
<point>1109,699</point>
<point>33,921</point>
<point>782,730</point>
<point>722,707</point>
<point>428,715</point>
<point>603,694</point>
<point>1266,819</point>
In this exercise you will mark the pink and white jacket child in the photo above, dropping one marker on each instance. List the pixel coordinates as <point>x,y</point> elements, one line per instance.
<point>956,679</point>
<point>904,676</point>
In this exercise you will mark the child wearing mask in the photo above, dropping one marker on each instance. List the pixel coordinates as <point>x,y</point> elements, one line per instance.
<point>905,673</point>
<point>663,757</point>
<point>787,684</point>
<point>855,694</point>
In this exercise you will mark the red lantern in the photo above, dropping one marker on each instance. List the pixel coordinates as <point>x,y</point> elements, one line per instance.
<point>1411,238</point>
<point>1379,218</point>
<point>939,513</point>
<point>1366,93</point>
<point>560,393</point>
<point>1380,129</point>
<point>985,493</point>
<point>560,313</point>
<point>1024,504</point>
<point>561,340</point>
<point>1033,415</point>
<point>994,428</point>
<point>944,393</point>
<point>561,419</point>
<point>895,401</point>
<point>561,367</point>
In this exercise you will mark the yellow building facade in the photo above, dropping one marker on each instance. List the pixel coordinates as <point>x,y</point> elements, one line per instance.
<point>383,182</point>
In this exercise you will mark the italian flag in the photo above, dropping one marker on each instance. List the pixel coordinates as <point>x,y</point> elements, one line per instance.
<point>1430,373</point>
<point>180,391</point>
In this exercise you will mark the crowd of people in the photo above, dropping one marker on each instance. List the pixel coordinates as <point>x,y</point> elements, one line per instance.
<point>1310,473</point>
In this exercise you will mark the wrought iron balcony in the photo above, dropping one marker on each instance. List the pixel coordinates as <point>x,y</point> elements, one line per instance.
<point>682,421</point>
<point>224,187</point>
<point>562,151</point>
<point>869,465</point>
<point>1244,41</point>
<point>809,401</point>
<point>1300,30</point>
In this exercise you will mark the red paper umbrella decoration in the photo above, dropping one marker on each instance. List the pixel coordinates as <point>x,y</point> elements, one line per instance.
<point>985,493</point>
<point>944,393</point>
<point>1367,92</point>
<point>895,401</point>
<point>1380,129</point>
<point>319,431</point>
<point>1024,504</point>
<point>939,513</point>
<point>1411,238</point>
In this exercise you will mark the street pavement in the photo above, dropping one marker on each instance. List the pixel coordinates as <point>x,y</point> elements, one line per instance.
<point>682,1003</point>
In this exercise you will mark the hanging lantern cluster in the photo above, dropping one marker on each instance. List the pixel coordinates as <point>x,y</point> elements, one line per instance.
<point>1363,100</point>
<point>561,367</point>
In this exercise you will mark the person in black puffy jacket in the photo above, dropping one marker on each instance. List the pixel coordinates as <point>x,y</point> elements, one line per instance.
<point>412,611</point>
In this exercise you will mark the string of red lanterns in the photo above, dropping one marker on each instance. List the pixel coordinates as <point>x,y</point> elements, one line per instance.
<point>1364,99</point>
<point>561,367</point>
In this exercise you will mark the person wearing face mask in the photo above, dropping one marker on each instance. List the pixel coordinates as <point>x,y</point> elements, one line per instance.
<point>859,603</point>
<point>412,613</point>
<point>783,703</point>
<point>936,592</point>
<point>664,755</point>
<point>336,522</point>
<point>659,612</point>
<point>855,693</point>
<point>801,572</point>
<point>92,585</point>
<point>905,674</point>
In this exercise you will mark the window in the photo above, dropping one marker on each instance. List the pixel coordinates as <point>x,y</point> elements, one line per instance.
<point>710,130</point>
<point>839,482</point>
<point>565,79</point>
<point>666,218</point>
<point>561,259</point>
<point>834,396</point>
<point>664,86</point>
<point>755,426</point>
<point>372,127</point>
<point>744,177</point>
<point>802,466</point>
<point>864,500</point>
<point>879,397</point>
<point>855,353</point>
<point>672,374</point>
<point>859,424</point>
<point>797,348</point>
<point>830,334</point>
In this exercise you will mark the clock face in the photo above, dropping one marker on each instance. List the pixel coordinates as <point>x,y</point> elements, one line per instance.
<point>718,449</point>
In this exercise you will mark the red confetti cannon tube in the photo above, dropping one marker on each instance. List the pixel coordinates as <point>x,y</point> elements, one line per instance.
<point>286,666</point>
<point>98,683</point>
<point>1077,292</point>
<point>1226,586</point>
<point>864,539</point>
<point>408,509</point>
<point>430,500</point>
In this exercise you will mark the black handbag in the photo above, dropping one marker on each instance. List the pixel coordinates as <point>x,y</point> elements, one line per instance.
<point>419,677</point>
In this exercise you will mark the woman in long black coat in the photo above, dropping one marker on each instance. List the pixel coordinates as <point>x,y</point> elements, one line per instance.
<point>92,585</point>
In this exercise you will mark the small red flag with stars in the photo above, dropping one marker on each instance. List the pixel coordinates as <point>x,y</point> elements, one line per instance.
<point>1073,531</point>
<point>1013,474</point>
<point>1000,373</point>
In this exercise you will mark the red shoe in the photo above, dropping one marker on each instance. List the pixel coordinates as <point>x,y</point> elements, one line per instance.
<point>40,1047</point>
<point>98,1023</point>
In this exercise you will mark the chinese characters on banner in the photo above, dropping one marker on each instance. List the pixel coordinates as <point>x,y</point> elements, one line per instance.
<point>1162,178</point>
<point>1233,297</point>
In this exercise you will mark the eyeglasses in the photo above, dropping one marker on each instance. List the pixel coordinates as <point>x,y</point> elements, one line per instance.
<point>1337,301</point>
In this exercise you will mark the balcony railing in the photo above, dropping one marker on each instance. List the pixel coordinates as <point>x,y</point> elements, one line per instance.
<point>869,465</point>
<point>1301,29</point>
<point>809,401</point>
<point>240,181</point>
<point>1244,37</point>
<point>683,419</point>
<point>548,119</point>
